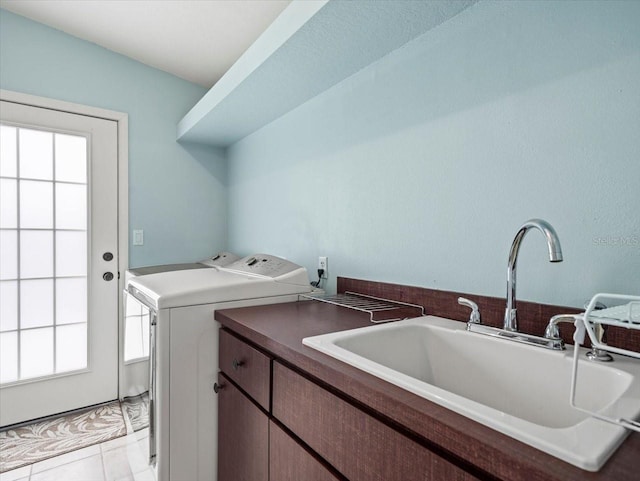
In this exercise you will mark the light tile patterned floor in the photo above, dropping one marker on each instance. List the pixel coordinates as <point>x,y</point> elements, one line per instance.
<point>121,459</point>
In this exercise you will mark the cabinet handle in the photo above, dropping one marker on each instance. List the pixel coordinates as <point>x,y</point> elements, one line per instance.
<point>237,364</point>
<point>217,387</point>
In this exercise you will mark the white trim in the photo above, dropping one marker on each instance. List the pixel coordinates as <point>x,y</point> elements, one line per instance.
<point>63,106</point>
<point>122,120</point>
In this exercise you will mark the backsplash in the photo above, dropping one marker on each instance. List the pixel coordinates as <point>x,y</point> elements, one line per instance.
<point>532,317</point>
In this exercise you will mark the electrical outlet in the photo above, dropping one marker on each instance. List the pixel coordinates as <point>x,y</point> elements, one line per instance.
<point>323,263</point>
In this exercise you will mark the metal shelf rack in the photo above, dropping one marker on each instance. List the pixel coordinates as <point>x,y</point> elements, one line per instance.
<point>379,310</point>
<point>625,314</point>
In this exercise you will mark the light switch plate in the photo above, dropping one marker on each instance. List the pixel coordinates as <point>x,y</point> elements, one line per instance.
<point>138,237</point>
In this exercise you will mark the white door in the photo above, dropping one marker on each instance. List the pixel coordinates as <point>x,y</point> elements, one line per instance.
<point>59,258</point>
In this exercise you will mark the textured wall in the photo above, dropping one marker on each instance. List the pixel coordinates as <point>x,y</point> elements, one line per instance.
<point>177,194</point>
<point>420,168</point>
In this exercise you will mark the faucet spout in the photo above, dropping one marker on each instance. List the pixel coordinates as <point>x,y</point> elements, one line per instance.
<point>555,255</point>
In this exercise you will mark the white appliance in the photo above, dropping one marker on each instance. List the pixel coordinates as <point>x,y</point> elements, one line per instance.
<point>134,344</point>
<point>184,352</point>
<point>220,259</point>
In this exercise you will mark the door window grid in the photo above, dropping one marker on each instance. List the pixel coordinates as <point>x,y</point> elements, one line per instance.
<point>53,338</point>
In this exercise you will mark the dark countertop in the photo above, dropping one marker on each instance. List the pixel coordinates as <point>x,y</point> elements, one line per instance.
<point>279,330</point>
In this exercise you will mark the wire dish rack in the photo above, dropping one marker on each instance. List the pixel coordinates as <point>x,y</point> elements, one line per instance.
<point>379,310</point>
<point>625,314</point>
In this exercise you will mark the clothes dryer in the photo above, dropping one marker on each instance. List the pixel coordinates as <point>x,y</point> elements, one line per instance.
<point>184,352</point>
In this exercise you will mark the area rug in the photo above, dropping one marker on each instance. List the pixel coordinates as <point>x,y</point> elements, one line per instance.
<point>136,409</point>
<point>35,442</point>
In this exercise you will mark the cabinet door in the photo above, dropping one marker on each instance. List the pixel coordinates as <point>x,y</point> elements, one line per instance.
<point>359,446</point>
<point>288,461</point>
<point>243,436</point>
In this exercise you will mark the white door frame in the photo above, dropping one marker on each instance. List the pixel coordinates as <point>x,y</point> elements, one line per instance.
<point>122,120</point>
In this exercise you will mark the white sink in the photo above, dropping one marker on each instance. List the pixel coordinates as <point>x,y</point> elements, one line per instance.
<point>519,390</point>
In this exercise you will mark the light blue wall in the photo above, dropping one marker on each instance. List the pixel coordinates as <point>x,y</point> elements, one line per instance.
<point>420,168</point>
<point>177,194</point>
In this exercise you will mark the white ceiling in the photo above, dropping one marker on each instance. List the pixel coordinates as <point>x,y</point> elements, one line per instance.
<point>197,40</point>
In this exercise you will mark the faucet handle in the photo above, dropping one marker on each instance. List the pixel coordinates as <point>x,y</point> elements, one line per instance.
<point>474,317</point>
<point>552,330</point>
<point>596,354</point>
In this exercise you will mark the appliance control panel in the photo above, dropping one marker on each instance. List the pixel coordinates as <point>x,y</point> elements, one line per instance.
<point>220,259</point>
<point>264,265</point>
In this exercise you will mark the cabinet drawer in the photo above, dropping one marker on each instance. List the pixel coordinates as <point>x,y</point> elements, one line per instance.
<point>247,366</point>
<point>288,461</point>
<point>356,444</point>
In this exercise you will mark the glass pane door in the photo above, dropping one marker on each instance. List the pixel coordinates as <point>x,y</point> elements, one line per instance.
<point>43,249</point>
<point>58,261</point>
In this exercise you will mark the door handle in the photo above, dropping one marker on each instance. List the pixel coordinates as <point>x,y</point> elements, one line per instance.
<point>107,256</point>
<point>107,276</point>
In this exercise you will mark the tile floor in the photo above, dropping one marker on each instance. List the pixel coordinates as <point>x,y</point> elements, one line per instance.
<point>121,459</point>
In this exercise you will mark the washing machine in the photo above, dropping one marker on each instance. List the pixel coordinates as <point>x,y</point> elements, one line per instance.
<point>183,357</point>
<point>133,365</point>
<point>220,259</point>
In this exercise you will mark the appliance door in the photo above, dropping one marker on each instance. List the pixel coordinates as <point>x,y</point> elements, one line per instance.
<point>153,317</point>
<point>140,343</point>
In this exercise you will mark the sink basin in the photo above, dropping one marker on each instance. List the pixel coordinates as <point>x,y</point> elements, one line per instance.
<point>519,390</point>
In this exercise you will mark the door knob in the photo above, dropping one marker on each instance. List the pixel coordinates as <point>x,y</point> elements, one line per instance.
<point>107,256</point>
<point>217,387</point>
<point>107,276</point>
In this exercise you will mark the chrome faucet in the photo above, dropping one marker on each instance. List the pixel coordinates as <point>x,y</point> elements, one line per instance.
<point>552,331</point>
<point>474,317</point>
<point>555,255</point>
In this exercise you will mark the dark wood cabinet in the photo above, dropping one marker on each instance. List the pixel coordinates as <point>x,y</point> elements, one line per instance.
<point>276,425</point>
<point>288,461</point>
<point>243,436</point>
<point>326,414</point>
<point>356,444</point>
<point>247,367</point>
